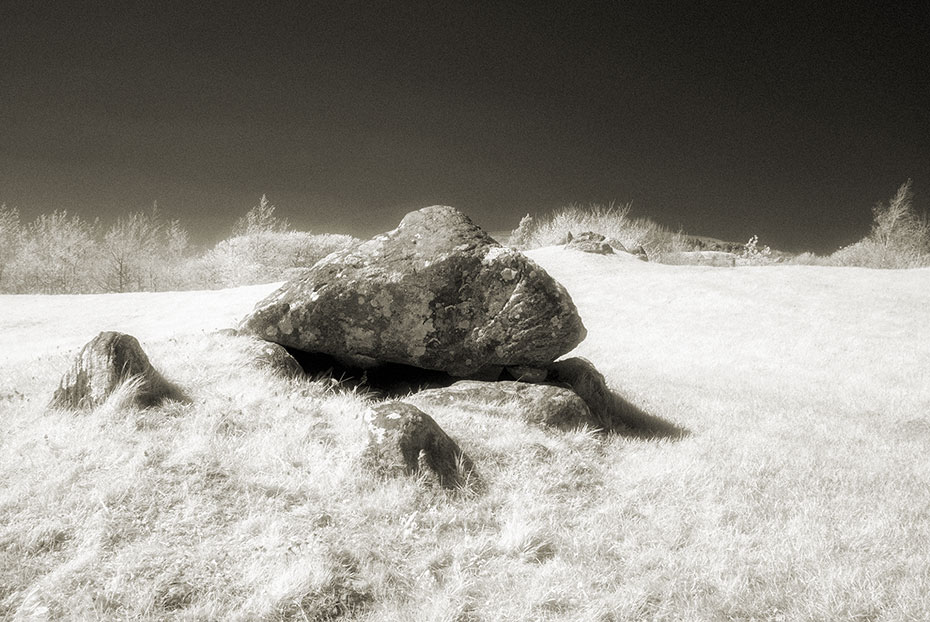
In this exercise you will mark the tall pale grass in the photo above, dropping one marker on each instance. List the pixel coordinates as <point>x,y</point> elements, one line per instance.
<point>613,221</point>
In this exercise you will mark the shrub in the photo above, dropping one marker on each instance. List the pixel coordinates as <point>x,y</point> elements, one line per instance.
<point>900,237</point>
<point>612,221</point>
<point>262,257</point>
<point>130,252</point>
<point>655,238</point>
<point>58,255</point>
<point>809,259</point>
<point>867,253</point>
<point>11,237</point>
<point>174,255</point>
<point>553,229</point>
<point>896,224</point>
<point>143,252</point>
<point>754,255</point>
<point>260,219</point>
<point>520,237</point>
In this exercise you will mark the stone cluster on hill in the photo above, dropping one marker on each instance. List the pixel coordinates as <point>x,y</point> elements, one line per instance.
<point>436,300</point>
<point>590,242</point>
<point>438,293</point>
<point>599,244</point>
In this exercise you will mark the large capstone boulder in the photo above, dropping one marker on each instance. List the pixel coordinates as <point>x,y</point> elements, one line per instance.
<point>402,439</point>
<point>437,293</point>
<point>102,365</point>
<point>540,404</point>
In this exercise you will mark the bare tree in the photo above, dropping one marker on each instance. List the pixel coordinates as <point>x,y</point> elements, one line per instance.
<point>260,219</point>
<point>11,238</point>
<point>174,249</point>
<point>898,228</point>
<point>59,254</point>
<point>131,249</point>
<point>520,237</point>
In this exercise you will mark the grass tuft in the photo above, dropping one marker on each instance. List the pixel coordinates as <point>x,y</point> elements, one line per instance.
<point>613,221</point>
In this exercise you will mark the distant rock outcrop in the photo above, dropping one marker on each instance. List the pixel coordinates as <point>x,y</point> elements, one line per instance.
<point>699,243</point>
<point>640,252</point>
<point>436,293</point>
<point>102,365</point>
<point>402,439</point>
<point>718,259</point>
<point>593,242</point>
<point>617,245</point>
<point>590,242</point>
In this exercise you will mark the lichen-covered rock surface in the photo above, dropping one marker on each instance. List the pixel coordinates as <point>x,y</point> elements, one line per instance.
<point>541,404</point>
<point>276,358</point>
<point>102,364</point>
<point>437,293</point>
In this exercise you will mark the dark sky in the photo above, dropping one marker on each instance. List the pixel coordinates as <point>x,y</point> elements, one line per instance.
<point>787,122</point>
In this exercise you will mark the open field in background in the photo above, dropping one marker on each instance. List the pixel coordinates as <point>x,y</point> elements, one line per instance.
<point>34,326</point>
<point>800,492</point>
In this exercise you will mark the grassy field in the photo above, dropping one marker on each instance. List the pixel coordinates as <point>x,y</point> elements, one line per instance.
<point>800,490</point>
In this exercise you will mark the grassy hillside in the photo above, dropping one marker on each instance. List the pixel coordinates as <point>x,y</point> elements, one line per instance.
<point>798,493</point>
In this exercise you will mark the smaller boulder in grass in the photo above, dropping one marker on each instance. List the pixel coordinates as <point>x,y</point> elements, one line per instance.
<point>542,404</point>
<point>402,439</point>
<point>610,411</point>
<point>102,365</point>
<point>581,376</point>
<point>276,358</point>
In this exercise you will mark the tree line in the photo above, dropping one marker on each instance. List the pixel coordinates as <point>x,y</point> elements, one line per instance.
<point>62,253</point>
